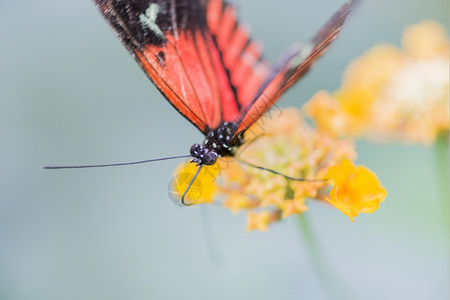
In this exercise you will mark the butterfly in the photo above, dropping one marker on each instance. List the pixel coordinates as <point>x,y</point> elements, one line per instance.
<point>205,64</point>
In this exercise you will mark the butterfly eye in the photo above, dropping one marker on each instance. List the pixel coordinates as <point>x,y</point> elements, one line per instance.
<point>196,149</point>
<point>210,158</point>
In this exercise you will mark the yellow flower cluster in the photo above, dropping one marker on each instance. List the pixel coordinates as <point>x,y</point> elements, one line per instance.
<point>286,144</point>
<point>391,93</point>
<point>289,145</point>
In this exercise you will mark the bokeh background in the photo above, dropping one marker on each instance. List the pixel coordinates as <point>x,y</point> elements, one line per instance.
<point>71,94</point>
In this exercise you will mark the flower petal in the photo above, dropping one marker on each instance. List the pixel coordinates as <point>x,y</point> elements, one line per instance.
<point>258,221</point>
<point>355,190</point>
<point>426,40</point>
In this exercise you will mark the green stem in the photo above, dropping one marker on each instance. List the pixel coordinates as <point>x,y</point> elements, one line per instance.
<point>442,165</point>
<point>332,285</point>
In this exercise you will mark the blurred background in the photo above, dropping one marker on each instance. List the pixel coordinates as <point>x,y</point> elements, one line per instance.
<point>71,94</point>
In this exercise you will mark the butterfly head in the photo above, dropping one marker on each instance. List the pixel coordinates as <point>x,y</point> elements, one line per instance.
<point>203,155</point>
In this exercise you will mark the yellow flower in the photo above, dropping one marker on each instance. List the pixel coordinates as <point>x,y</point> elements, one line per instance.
<point>237,202</point>
<point>261,220</point>
<point>389,93</point>
<point>294,206</point>
<point>426,40</point>
<point>203,188</point>
<point>355,190</point>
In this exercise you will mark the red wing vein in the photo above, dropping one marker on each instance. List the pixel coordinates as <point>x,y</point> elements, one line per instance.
<point>227,72</point>
<point>215,74</point>
<point>189,80</point>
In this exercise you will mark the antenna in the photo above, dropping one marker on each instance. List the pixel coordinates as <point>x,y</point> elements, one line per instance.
<point>189,186</point>
<point>278,173</point>
<point>114,165</point>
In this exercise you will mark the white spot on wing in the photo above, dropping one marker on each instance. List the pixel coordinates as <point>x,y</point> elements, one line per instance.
<point>149,19</point>
<point>303,54</point>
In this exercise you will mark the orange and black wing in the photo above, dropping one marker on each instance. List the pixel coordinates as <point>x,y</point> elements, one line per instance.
<point>294,64</point>
<point>194,51</point>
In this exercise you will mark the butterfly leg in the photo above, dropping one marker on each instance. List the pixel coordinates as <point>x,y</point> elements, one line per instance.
<point>189,186</point>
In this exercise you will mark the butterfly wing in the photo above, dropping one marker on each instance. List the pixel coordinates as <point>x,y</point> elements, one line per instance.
<point>294,64</point>
<point>237,60</point>
<point>194,51</point>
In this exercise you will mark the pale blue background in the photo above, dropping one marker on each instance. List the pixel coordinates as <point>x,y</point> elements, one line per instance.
<point>71,94</point>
